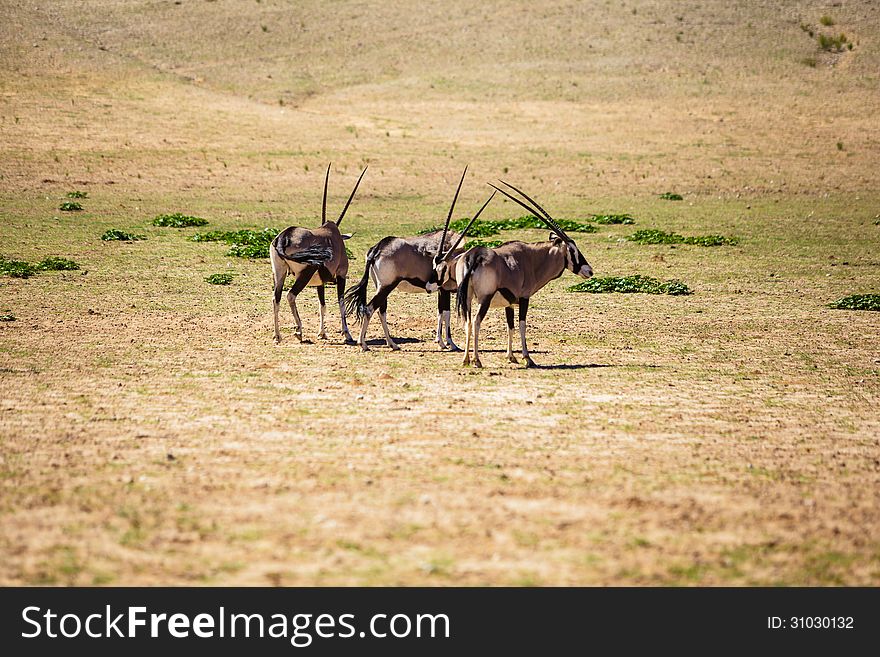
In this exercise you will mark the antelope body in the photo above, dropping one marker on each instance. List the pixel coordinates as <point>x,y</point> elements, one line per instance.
<point>508,276</point>
<point>404,264</point>
<point>314,257</point>
<point>407,264</point>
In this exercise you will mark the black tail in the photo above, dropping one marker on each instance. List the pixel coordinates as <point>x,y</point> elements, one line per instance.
<point>356,298</point>
<point>471,262</point>
<point>313,255</point>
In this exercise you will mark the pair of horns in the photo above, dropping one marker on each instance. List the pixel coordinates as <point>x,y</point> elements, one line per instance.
<point>441,255</point>
<point>345,209</point>
<point>540,213</point>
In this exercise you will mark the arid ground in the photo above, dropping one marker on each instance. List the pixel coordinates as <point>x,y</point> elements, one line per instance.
<point>152,433</point>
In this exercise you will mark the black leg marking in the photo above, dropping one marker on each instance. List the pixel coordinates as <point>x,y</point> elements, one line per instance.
<point>508,312</point>
<point>321,295</point>
<point>509,296</point>
<point>484,308</point>
<point>523,309</point>
<point>302,280</point>
<point>443,300</point>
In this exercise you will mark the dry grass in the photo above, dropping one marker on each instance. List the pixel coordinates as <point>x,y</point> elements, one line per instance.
<point>151,433</point>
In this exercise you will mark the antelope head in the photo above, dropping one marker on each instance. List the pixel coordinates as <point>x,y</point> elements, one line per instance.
<point>573,258</point>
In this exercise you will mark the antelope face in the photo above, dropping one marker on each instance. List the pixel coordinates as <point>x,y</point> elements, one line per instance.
<point>575,261</point>
<point>439,275</point>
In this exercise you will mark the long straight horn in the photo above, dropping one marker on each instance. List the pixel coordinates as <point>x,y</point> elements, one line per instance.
<point>324,203</point>
<point>546,214</point>
<point>467,228</point>
<point>451,208</point>
<point>339,221</point>
<point>551,226</point>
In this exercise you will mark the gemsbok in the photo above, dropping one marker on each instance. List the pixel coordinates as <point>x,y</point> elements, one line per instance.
<point>509,275</point>
<point>314,257</point>
<point>405,264</point>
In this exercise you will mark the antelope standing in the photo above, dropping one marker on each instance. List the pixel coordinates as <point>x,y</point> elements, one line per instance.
<point>508,276</point>
<point>406,264</point>
<point>314,257</point>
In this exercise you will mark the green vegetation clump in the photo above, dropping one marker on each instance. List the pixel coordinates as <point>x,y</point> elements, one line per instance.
<point>242,243</point>
<point>629,285</point>
<point>489,244</point>
<point>8,317</point>
<point>654,236</point>
<point>671,196</point>
<point>833,43</point>
<point>70,206</point>
<point>612,219</point>
<point>23,269</point>
<point>77,194</point>
<point>489,228</point>
<point>826,20</point>
<point>178,220</point>
<point>857,302</point>
<point>219,279</point>
<point>57,264</point>
<point>114,234</point>
<point>16,268</point>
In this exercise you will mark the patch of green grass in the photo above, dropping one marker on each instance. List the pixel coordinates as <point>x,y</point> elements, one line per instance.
<point>57,264</point>
<point>812,62</point>
<point>8,317</point>
<point>630,284</point>
<point>671,196</point>
<point>114,234</point>
<point>219,279</point>
<point>611,219</point>
<point>70,206</point>
<point>654,236</point>
<point>489,228</point>
<point>826,20</point>
<point>857,302</point>
<point>16,268</point>
<point>833,43</point>
<point>242,243</point>
<point>77,194</point>
<point>489,244</point>
<point>178,220</point>
<point>23,269</point>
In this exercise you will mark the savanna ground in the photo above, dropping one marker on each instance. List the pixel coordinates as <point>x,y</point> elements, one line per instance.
<point>153,434</point>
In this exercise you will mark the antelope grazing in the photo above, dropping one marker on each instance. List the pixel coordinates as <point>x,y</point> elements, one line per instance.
<point>508,276</point>
<point>405,264</point>
<point>314,257</point>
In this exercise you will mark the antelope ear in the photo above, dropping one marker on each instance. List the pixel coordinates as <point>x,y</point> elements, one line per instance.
<point>555,238</point>
<point>346,236</point>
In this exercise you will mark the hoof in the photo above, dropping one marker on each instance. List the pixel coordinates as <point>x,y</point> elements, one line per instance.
<point>478,364</point>
<point>512,359</point>
<point>277,339</point>
<point>322,336</point>
<point>350,340</point>
<point>530,363</point>
<point>364,348</point>
<point>453,347</point>
<point>395,347</point>
<point>466,362</point>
